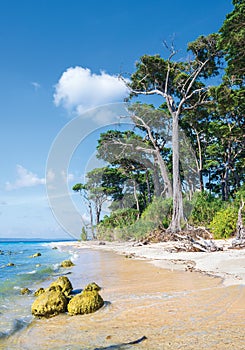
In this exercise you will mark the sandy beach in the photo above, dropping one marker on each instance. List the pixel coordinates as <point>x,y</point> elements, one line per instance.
<point>228,264</point>
<point>176,301</point>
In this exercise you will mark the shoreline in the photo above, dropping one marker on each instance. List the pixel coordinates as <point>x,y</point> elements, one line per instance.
<point>147,293</point>
<point>228,264</point>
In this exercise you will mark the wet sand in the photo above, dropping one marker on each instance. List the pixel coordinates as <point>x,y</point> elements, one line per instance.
<point>173,309</point>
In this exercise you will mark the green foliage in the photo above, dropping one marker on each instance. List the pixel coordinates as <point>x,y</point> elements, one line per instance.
<point>232,41</point>
<point>118,219</point>
<point>224,222</point>
<point>157,214</point>
<point>83,234</point>
<point>205,206</point>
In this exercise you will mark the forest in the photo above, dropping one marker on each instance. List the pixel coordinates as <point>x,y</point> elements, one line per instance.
<point>181,167</point>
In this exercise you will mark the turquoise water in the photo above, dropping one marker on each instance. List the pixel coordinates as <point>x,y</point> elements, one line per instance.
<point>19,270</point>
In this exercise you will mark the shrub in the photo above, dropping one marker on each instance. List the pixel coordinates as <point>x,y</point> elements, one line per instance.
<point>205,207</point>
<point>224,222</point>
<point>110,225</point>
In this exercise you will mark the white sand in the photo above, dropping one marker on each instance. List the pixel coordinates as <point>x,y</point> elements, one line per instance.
<point>228,264</point>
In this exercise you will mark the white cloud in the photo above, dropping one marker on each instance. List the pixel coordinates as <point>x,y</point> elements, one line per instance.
<point>79,90</point>
<point>25,178</point>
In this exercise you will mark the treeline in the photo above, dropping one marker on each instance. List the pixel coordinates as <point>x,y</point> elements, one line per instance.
<point>182,164</point>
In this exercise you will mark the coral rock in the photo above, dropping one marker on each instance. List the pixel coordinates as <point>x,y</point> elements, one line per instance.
<point>62,284</point>
<point>49,304</point>
<point>39,291</point>
<point>85,303</point>
<point>66,263</point>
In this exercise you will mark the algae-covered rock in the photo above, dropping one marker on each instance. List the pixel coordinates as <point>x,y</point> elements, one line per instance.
<point>10,264</point>
<point>85,303</point>
<point>49,304</point>
<point>92,286</point>
<point>35,255</point>
<point>62,284</point>
<point>24,291</point>
<point>66,263</point>
<point>39,291</point>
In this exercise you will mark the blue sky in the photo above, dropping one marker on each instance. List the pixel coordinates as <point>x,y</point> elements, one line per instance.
<point>60,58</point>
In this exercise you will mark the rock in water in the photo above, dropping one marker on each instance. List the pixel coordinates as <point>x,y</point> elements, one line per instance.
<point>66,263</point>
<point>85,303</point>
<point>35,255</point>
<point>39,291</point>
<point>64,283</point>
<point>49,304</point>
<point>24,291</point>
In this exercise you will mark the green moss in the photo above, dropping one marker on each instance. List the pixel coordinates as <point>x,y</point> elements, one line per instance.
<point>66,263</point>
<point>62,284</point>
<point>85,303</point>
<point>49,304</point>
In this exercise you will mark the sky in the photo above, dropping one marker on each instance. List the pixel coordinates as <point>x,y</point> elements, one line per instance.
<point>59,67</point>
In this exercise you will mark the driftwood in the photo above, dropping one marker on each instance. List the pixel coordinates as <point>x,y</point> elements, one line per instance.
<point>122,345</point>
<point>192,240</point>
<point>239,241</point>
<point>189,244</point>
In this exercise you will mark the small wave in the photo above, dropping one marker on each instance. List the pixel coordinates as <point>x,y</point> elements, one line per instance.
<point>18,324</point>
<point>27,273</point>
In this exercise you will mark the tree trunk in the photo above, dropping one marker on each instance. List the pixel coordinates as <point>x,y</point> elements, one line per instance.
<point>148,186</point>
<point>240,234</point>
<point>178,214</point>
<point>136,198</point>
<point>157,187</point>
<point>91,218</point>
<point>164,172</point>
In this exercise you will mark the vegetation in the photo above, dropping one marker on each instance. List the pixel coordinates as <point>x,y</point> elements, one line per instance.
<point>183,163</point>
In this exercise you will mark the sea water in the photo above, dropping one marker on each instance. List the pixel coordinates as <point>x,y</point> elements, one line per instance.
<point>18,269</point>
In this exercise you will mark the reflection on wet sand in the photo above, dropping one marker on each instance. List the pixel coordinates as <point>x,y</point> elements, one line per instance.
<point>172,309</point>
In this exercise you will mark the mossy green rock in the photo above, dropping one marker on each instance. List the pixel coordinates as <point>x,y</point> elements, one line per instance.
<point>39,291</point>
<point>62,284</point>
<point>24,291</point>
<point>85,303</point>
<point>49,304</point>
<point>92,286</point>
<point>67,263</point>
<point>35,255</point>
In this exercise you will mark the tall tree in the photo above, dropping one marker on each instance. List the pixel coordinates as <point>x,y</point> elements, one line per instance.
<point>232,41</point>
<point>180,85</point>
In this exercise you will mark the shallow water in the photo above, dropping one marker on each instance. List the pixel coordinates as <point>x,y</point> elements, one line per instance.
<point>18,270</point>
<point>173,309</point>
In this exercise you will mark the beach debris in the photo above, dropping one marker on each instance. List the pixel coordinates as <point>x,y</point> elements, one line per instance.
<point>39,291</point>
<point>123,345</point>
<point>191,240</point>
<point>62,284</point>
<point>24,291</point>
<point>50,303</point>
<point>67,263</point>
<point>35,255</point>
<point>86,302</point>
<point>239,241</point>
